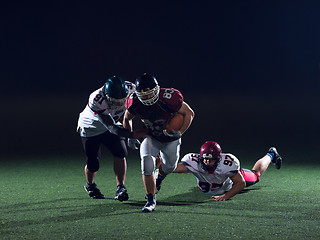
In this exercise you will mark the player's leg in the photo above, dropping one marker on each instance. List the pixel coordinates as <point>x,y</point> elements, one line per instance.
<point>91,147</point>
<point>149,149</point>
<point>263,163</point>
<point>250,176</point>
<point>118,148</point>
<point>89,175</point>
<point>170,154</point>
<point>120,170</point>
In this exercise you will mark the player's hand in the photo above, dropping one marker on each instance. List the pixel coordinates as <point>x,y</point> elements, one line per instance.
<point>140,133</point>
<point>220,198</point>
<point>174,134</point>
<point>158,160</point>
<point>133,143</point>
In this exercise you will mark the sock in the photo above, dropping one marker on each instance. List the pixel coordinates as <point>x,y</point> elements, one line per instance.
<point>271,155</point>
<point>160,177</point>
<point>150,197</point>
<point>159,180</point>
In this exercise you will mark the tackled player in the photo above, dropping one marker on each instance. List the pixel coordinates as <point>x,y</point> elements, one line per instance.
<point>219,174</point>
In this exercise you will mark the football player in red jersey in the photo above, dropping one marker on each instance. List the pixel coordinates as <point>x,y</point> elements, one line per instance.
<point>155,106</point>
<point>219,174</point>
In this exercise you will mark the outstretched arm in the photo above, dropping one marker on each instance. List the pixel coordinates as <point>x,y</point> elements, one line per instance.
<point>110,124</point>
<point>181,168</point>
<point>127,124</point>
<point>238,184</point>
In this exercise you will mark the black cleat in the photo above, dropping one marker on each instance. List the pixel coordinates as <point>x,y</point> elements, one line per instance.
<point>121,193</point>
<point>276,158</point>
<point>93,191</point>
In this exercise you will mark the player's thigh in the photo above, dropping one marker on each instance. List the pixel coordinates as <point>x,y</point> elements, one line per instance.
<point>170,153</point>
<point>92,150</point>
<point>91,146</point>
<point>250,176</point>
<point>149,149</point>
<point>115,144</point>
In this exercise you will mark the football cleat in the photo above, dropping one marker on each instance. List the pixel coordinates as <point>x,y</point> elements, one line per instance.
<point>121,193</point>
<point>93,191</point>
<point>151,203</point>
<point>276,159</point>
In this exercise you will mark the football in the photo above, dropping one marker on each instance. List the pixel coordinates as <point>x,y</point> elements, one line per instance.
<point>175,123</point>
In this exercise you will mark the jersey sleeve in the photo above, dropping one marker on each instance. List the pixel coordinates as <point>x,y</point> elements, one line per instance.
<point>129,104</point>
<point>131,87</point>
<point>97,102</point>
<point>190,160</point>
<point>129,100</point>
<point>172,98</point>
<point>231,165</point>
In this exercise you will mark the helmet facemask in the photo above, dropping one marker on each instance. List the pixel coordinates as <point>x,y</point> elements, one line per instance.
<point>116,103</point>
<point>209,167</point>
<point>149,96</point>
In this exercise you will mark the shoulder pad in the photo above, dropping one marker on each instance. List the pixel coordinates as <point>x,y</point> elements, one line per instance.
<point>172,98</point>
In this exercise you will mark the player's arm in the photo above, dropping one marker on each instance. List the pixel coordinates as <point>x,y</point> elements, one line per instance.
<point>110,124</point>
<point>181,168</point>
<point>127,120</point>
<point>112,127</point>
<point>188,114</point>
<point>238,184</point>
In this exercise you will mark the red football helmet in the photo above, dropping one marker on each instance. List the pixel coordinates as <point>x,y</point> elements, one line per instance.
<point>210,150</point>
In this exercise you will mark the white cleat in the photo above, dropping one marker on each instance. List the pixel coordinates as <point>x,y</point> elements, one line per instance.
<point>150,205</point>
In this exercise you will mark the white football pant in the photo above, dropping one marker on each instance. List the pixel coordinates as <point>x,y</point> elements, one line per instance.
<point>169,152</point>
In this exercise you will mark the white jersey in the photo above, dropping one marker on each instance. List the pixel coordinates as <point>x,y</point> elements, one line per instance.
<point>216,181</point>
<point>88,122</point>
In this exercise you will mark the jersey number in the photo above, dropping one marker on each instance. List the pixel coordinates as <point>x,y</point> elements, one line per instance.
<point>228,162</point>
<point>206,187</point>
<point>98,98</point>
<point>156,126</point>
<point>168,93</point>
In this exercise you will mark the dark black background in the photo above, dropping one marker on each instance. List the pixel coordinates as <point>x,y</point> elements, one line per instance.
<point>249,69</point>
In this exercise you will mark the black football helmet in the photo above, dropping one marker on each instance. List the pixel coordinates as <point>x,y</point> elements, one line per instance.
<point>210,150</point>
<point>116,91</point>
<point>147,89</point>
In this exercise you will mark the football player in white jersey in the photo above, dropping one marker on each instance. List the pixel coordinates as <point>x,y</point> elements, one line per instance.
<point>219,174</point>
<point>99,123</point>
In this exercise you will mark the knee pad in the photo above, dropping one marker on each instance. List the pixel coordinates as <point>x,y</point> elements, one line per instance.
<point>147,165</point>
<point>204,186</point>
<point>93,165</point>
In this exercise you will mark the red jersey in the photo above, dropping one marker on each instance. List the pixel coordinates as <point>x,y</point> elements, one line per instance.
<point>155,116</point>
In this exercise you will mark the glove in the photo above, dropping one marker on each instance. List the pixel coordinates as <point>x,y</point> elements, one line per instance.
<point>133,143</point>
<point>173,134</point>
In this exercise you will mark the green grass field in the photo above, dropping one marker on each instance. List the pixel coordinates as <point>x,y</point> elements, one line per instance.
<point>43,198</point>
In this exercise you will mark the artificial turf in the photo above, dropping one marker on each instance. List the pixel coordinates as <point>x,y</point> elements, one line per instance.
<point>44,198</point>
